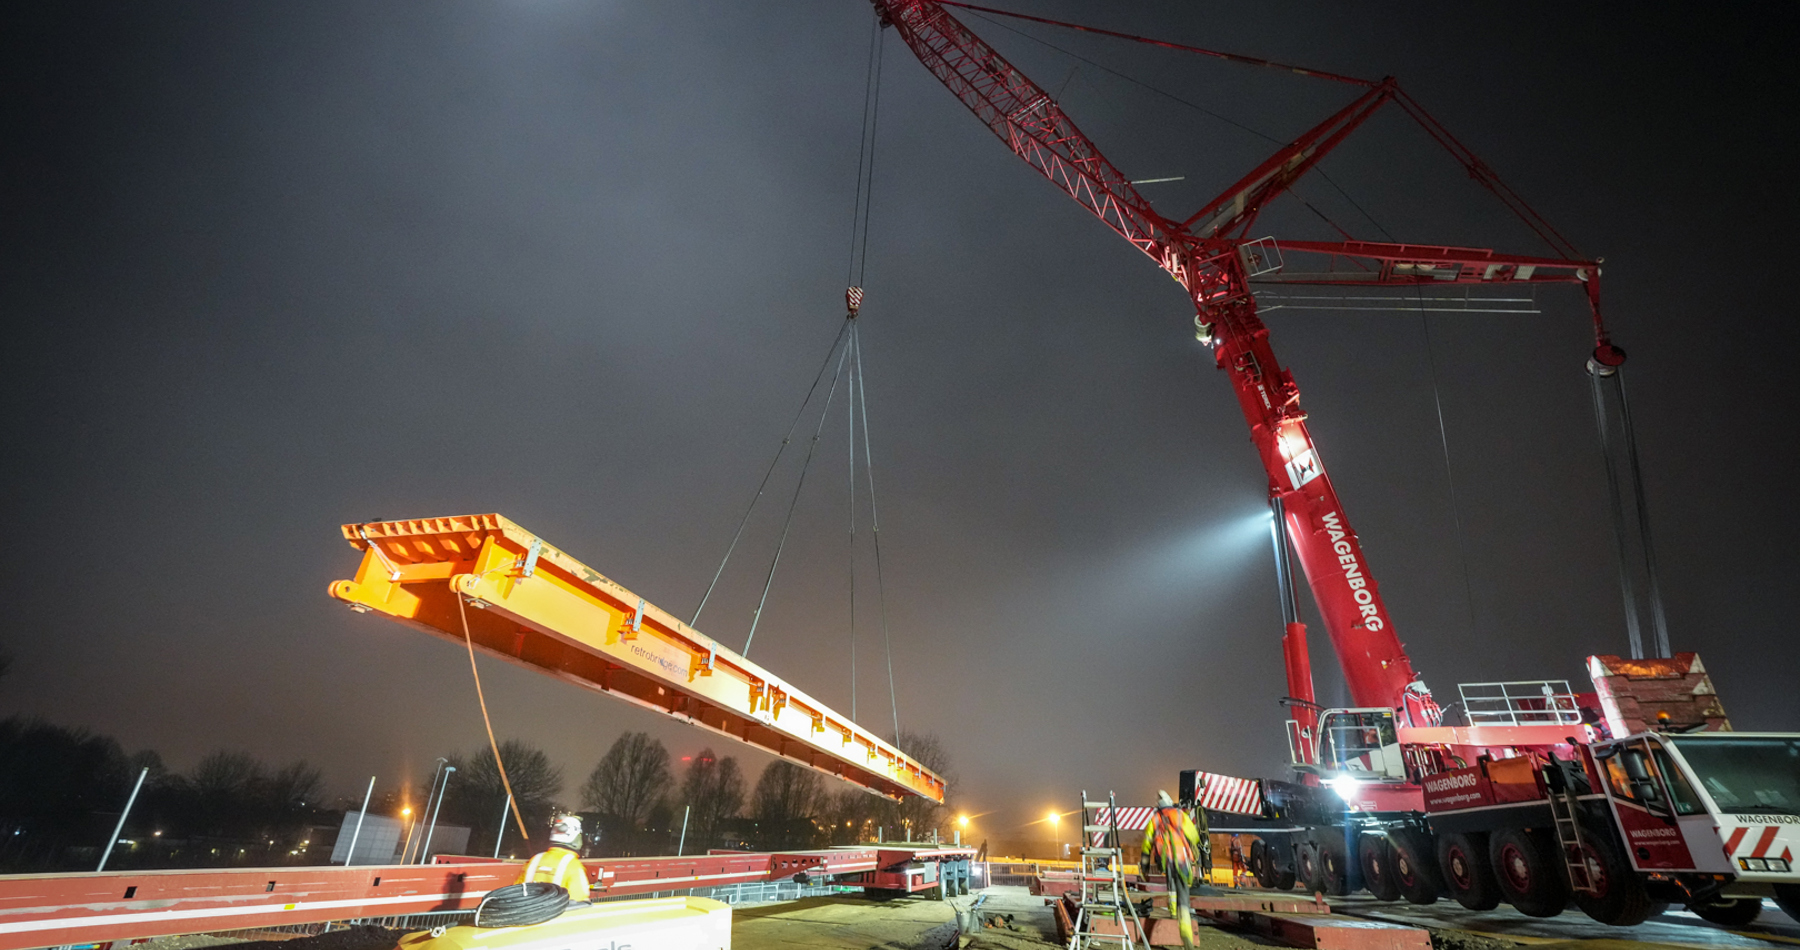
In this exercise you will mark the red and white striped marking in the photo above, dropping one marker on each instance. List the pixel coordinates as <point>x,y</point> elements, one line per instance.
<point>1238,796</point>
<point>1765,840</point>
<point>1130,819</point>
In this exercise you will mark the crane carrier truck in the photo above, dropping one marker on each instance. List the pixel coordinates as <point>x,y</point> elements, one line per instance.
<point>1540,796</point>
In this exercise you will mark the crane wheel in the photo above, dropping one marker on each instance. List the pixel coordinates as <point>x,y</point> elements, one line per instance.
<point>1787,897</point>
<point>1730,912</point>
<point>1334,864</point>
<point>1415,868</point>
<point>1526,868</point>
<point>1377,860</point>
<point>1619,898</point>
<point>1310,869</point>
<point>1463,862</point>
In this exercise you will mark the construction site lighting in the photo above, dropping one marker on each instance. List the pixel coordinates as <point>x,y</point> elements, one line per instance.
<point>1345,787</point>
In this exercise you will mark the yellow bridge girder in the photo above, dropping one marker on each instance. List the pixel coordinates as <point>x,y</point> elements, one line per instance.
<point>529,603</point>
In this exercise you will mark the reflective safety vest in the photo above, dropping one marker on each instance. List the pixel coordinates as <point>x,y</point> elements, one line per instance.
<point>1170,840</point>
<point>558,866</point>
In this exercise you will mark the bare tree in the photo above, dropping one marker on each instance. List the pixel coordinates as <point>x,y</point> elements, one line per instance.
<point>630,780</point>
<point>475,793</point>
<point>786,800</point>
<point>915,814</point>
<point>714,789</point>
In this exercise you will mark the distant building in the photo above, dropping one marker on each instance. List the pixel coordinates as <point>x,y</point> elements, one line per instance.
<point>382,838</point>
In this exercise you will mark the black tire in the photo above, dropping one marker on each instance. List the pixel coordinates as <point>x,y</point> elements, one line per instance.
<point>521,905</point>
<point>1619,898</point>
<point>1729,912</point>
<point>1527,868</point>
<point>1309,867</point>
<point>1467,873</point>
<point>1377,861</point>
<point>1415,867</point>
<point>1259,864</point>
<point>1281,865</point>
<point>1787,897</point>
<point>1334,864</point>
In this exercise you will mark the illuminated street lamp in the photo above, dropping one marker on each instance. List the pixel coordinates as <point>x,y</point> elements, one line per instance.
<point>1055,833</point>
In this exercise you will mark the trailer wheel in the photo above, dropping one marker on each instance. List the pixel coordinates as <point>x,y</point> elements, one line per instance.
<point>1787,897</point>
<point>1377,861</point>
<point>1467,876</point>
<point>1730,912</point>
<point>1525,867</point>
<point>1619,898</point>
<point>1414,869</point>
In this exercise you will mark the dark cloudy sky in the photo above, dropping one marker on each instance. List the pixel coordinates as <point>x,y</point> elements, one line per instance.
<point>272,267</point>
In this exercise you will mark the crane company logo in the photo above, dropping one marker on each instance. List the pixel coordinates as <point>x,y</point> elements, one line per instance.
<point>1360,591</point>
<point>1450,782</point>
<point>1767,819</point>
<point>1303,468</point>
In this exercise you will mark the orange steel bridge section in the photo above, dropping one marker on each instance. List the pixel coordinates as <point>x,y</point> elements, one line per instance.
<point>529,603</point>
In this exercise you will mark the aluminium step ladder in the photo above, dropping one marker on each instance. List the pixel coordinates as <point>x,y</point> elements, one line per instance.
<point>1565,813</point>
<point>1104,902</point>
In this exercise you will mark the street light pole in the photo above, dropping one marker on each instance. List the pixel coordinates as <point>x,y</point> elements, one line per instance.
<point>502,835</point>
<point>104,855</point>
<point>425,851</point>
<point>406,854</point>
<point>350,855</point>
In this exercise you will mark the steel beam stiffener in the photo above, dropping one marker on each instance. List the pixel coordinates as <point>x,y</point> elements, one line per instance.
<point>45,910</point>
<point>529,603</point>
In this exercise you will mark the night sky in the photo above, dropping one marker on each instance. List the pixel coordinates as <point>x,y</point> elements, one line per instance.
<point>273,267</point>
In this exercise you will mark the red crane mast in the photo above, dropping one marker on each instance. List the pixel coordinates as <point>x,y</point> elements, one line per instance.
<point>1211,255</point>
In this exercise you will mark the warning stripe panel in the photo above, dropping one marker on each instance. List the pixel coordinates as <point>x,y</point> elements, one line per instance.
<point>1763,843</point>
<point>1227,793</point>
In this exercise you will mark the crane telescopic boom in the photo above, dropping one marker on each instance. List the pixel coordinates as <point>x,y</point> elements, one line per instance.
<point>1212,257</point>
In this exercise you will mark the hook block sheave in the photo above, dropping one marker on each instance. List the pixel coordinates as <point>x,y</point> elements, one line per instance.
<point>529,603</point>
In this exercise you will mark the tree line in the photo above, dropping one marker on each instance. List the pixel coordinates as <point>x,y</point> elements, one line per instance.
<point>62,789</point>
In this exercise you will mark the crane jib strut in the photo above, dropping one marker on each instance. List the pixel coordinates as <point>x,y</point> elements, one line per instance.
<point>1212,256</point>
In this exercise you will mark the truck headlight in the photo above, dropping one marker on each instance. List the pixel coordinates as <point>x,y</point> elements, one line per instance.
<point>1778,865</point>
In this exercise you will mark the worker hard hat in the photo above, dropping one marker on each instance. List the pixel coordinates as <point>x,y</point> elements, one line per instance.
<point>565,830</point>
<point>1163,799</point>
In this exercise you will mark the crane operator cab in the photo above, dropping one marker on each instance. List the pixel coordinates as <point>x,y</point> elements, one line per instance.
<point>1360,744</point>
<point>1715,814</point>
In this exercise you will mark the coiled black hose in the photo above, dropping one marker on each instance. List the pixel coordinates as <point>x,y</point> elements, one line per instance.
<point>521,905</point>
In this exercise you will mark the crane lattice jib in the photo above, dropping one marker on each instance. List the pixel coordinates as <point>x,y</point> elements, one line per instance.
<point>1207,254</point>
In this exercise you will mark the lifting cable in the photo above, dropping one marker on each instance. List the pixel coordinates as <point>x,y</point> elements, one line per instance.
<point>856,274</point>
<point>875,527</point>
<point>817,378</point>
<point>788,524</point>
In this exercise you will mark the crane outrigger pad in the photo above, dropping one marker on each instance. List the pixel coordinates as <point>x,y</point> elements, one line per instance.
<point>529,603</point>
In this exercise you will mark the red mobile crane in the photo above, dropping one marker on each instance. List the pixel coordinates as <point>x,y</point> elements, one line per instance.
<point>1534,800</point>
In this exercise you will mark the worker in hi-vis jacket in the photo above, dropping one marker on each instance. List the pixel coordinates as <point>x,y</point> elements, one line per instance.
<point>1170,844</point>
<point>560,864</point>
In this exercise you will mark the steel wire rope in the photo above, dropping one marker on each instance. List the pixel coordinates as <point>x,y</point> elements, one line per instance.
<point>875,528</point>
<point>862,147</point>
<point>1191,105</point>
<point>850,413</point>
<point>764,484</point>
<point>788,523</point>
